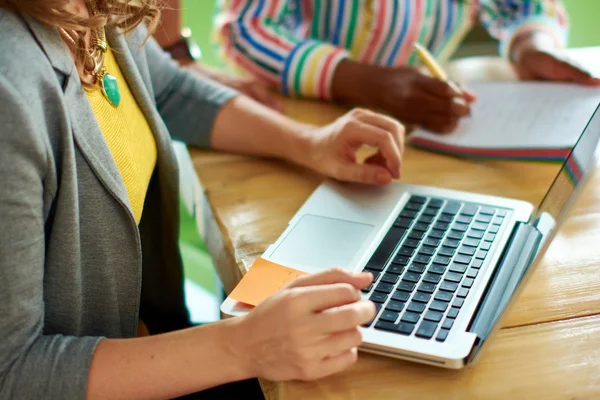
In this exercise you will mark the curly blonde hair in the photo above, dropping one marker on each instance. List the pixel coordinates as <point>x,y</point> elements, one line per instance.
<point>125,14</point>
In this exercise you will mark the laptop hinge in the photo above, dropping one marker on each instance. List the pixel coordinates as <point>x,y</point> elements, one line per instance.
<point>519,254</point>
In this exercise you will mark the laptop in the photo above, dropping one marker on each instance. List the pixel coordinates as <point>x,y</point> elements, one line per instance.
<point>447,264</point>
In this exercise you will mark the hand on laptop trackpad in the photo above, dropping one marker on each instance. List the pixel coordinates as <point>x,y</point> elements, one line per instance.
<point>319,242</point>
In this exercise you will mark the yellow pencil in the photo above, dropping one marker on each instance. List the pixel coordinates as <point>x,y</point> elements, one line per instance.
<point>434,67</point>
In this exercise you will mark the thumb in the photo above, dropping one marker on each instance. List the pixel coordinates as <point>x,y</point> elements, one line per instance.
<point>370,174</point>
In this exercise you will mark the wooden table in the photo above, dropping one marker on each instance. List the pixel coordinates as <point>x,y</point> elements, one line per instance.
<point>550,344</point>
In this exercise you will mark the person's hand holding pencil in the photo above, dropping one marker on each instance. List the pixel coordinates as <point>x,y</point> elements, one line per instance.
<point>415,98</point>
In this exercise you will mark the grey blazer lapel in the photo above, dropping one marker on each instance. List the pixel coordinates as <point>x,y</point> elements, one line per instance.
<point>85,128</point>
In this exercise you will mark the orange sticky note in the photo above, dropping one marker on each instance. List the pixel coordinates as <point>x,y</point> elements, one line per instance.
<point>262,280</point>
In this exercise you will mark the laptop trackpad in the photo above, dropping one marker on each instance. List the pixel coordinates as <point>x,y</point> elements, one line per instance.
<point>319,242</point>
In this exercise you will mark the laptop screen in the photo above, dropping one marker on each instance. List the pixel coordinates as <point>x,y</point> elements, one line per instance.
<point>580,162</point>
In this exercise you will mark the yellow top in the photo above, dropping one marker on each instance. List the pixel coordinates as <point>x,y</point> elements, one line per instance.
<point>128,136</point>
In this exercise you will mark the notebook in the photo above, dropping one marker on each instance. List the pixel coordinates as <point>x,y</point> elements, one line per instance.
<point>518,120</point>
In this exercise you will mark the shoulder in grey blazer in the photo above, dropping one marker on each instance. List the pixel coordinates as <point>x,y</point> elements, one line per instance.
<point>74,266</point>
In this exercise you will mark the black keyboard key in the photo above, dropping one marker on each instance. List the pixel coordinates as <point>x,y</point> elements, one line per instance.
<point>384,288</point>
<point>467,250</point>
<point>411,243</point>
<point>406,251</point>
<point>401,260</point>
<point>417,268</point>
<point>459,268</point>
<point>446,218</point>
<point>446,251</point>
<point>456,235</point>
<point>444,296</point>
<point>367,289</point>
<point>389,316</point>
<point>375,273</point>
<point>436,234</point>
<point>448,323</point>
<point>453,313</point>
<point>477,264</point>
<point>442,226</point>
<point>460,227</point>
<point>432,212</point>
<point>475,234</point>
<point>403,223</point>
<point>487,211</point>
<point>422,259</point>
<point>427,250</point>
<point>416,235</point>
<point>411,317</point>
<point>490,237</point>
<point>472,273</point>
<point>442,335</point>
<point>395,269</point>
<point>430,241</point>
<point>416,307</point>
<point>378,308</point>
<point>422,297</point>
<point>385,249</point>
<point>494,229</point>
<point>408,214</point>
<point>438,305</point>
<point>483,218</point>
<point>481,255</point>
<point>437,203</point>
<point>437,269</point>
<point>434,316</point>
<point>441,260</point>
<point>464,219</point>
<point>427,287</point>
<point>449,286</point>
<point>469,209</point>
<point>413,206</point>
<point>479,226</point>
<point>458,303</point>
<point>386,326</point>
<point>405,328</point>
<point>468,283</point>
<point>462,259</point>
<point>378,297</point>
<point>394,305</point>
<point>452,207</point>
<point>418,199</point>
<point>411,277</point>
<point>453,277</point>
<point>431,278</point>
<point>426,219</point>
<point>486,246</point>
<point>389,278</point>
<point>451,243</point>
<point>426,329</point>
<point>406,287</point>
<point>421,227</point>
<point>401,296</point>
<point>473,242</point>
<point>462,292</point>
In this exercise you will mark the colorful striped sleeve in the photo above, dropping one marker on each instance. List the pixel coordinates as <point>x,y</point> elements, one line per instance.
<point>507,20</point>
<point>254,38</point>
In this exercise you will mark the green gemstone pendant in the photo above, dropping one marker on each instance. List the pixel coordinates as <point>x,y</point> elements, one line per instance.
<point>110,89</point>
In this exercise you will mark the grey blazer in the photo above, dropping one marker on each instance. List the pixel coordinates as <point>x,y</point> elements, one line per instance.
<point>74,265</point>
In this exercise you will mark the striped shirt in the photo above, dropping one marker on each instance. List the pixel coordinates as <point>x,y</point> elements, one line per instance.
<point>295,45</point>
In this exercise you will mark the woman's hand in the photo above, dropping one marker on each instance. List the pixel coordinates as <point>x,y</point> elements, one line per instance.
<point>306,331</point>
<point>406,93</point>
<point>332,149</point>
<point>536,57</point>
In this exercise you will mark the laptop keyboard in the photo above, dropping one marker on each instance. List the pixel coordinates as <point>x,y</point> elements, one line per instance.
<point>427,263</point>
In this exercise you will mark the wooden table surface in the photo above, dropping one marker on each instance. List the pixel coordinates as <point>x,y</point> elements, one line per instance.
<point>550,344</point>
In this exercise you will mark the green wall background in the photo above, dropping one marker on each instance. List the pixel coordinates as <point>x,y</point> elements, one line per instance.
<point>198,15</point>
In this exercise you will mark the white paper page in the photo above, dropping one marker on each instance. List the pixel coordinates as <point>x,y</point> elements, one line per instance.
<point>529,115</point>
